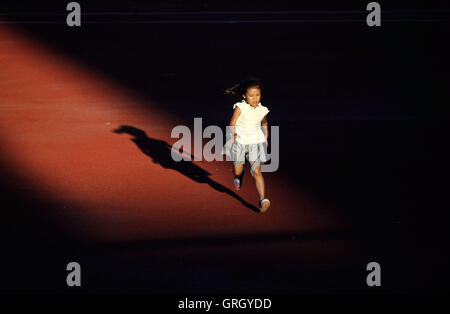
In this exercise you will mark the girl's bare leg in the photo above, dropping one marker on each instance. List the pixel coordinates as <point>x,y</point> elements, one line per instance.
<point>238,169</point>
<point>259,180</point>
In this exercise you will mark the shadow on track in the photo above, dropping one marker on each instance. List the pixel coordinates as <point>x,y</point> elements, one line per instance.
<point>161,153</point>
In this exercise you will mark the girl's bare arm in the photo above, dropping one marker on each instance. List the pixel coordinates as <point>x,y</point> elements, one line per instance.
<point>236,114</point>
<point>265,125</point>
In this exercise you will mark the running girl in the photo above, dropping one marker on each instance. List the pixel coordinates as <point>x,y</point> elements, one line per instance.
<point>248,139</point>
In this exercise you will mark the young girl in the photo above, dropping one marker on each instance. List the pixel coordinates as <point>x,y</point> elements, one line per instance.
<point>247,138</point>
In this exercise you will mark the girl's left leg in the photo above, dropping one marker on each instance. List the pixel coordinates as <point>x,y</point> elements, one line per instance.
<point>259,180</point>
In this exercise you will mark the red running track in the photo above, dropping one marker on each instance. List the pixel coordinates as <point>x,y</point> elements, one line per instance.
<point>57,122</point>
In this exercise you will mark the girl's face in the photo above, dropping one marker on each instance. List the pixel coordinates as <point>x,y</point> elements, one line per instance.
<point>253,96</point>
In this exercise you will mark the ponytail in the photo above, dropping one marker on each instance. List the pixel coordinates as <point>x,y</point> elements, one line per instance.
<point>234,90</point>
<point>240,89</point>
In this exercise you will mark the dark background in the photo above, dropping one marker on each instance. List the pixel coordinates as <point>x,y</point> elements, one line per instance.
<point>361,111</point>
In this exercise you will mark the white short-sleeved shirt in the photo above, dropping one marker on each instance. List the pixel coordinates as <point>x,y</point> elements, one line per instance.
<point>248,124</point>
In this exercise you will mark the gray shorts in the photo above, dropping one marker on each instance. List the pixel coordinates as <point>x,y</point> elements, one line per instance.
<point>252,152</point>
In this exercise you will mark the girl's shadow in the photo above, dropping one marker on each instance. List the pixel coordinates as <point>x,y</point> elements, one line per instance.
<point>160,152</point>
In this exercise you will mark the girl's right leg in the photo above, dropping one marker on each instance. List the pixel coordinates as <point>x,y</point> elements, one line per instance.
<point>238,154</point>
<point>238,169</point>
<point>238,172</point>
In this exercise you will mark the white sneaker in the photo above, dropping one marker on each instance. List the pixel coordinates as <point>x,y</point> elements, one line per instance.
<point>264,205</point>
<point>237,184</point>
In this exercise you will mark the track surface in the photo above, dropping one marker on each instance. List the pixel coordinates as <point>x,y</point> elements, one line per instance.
<point>88,177</point>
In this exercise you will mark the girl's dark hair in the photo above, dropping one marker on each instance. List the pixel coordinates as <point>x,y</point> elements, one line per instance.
<point>241,88</point>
